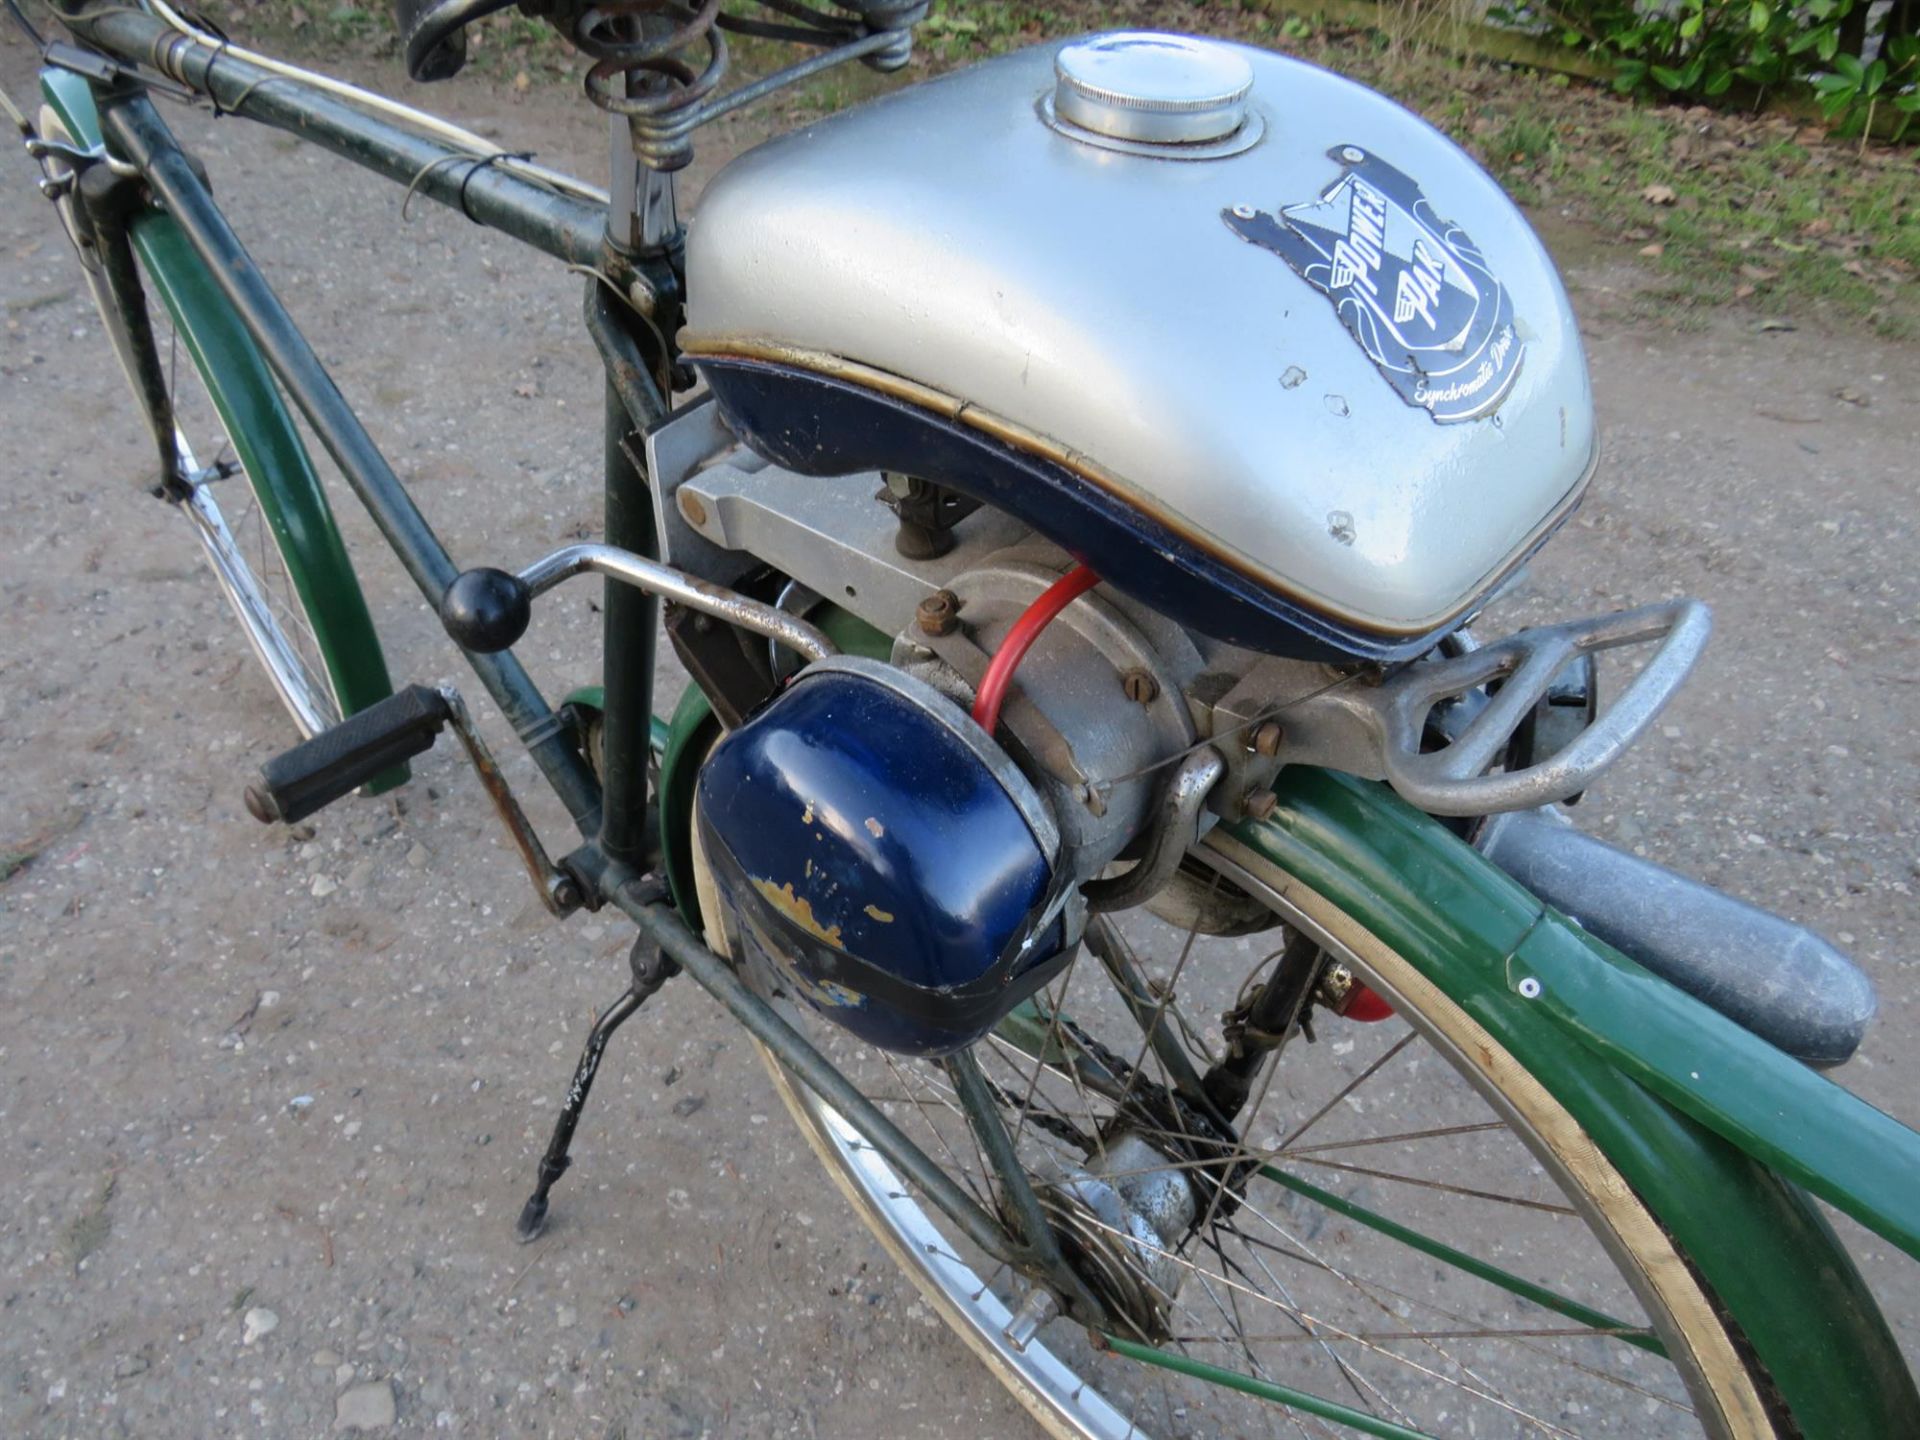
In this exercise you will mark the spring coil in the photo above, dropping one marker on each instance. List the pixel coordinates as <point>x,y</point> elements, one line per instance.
<point>610,34</point>
<point>663,110</point>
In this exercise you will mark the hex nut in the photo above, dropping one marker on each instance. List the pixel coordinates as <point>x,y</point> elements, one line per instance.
<point>1140,686</point>
<point>938,613</point>
<point>1267,738</point>
<point>1260,804</point>
<point>1335,987</point>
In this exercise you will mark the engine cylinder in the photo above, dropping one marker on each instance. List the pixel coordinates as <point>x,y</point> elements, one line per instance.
<point>1096,751</point>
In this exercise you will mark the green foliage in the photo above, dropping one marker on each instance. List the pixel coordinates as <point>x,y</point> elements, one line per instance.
<point>961,30</point>
<point>1525,140</point>
<point>1852,91</point>
<point>1713,50</point>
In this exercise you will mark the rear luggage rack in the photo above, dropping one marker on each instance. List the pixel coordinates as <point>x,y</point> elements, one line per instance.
<point>1389,741</point>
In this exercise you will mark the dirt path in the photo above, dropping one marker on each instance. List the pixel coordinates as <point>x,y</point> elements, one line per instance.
<point>241,1072</point>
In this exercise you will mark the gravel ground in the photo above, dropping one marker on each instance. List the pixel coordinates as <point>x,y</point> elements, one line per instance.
<point>269,1104</point>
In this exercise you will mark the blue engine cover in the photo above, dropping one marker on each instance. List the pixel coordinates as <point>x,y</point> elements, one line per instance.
<point>888,862</point>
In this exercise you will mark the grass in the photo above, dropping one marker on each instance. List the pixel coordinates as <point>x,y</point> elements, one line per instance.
<point>1762,212</point>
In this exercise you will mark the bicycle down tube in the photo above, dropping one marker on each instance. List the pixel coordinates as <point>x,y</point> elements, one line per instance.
<point>609,858</point>
<point>138,132</point>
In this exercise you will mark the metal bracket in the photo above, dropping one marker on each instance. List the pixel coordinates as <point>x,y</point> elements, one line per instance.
<point>1175,830</point>
<point>80,156</point>
<point>1378,732</point>
<point>720,507</point>
<point>78,159</point>
<point>106,70</point>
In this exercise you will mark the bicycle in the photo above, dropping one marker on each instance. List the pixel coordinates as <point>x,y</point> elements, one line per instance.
<point>1072,1176</point>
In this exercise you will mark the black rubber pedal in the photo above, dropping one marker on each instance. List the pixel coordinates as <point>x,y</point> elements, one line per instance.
<point>338,761</point>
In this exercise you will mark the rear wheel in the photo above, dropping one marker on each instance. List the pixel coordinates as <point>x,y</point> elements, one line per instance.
<point>1417,1238</point>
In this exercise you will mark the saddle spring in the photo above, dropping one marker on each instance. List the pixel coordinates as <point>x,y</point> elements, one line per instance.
<point>679,51</point>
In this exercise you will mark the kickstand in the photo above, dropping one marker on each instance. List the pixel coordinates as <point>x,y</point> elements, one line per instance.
<point>651,969</point>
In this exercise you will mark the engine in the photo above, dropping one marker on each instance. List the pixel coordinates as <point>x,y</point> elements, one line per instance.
<point>1266,352</point>
<point>904,871</point>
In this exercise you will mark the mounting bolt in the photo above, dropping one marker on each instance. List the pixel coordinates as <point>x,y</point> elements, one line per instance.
<point>1259,804</point>
<point>937,614</point>
<point>1140,686</point>
<point>691,506</point>
<point>261,804</point>
<point>1035,1310</point>
<point>1335,987</point>
<point>1267,738</point>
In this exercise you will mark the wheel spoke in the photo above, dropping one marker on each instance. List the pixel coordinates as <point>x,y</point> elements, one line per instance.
<point>1405,1135</point>
<point>1368,1345</point>
<point>1352,1085</point>
<point>939,1131</point>
<point>1523,1203</point>
<point>1519,1336</point>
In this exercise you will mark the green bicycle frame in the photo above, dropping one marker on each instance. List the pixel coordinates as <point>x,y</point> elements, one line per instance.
<point>1722,1136</point>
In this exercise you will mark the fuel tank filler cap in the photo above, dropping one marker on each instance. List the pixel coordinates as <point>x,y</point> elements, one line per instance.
<point>1146,89</point>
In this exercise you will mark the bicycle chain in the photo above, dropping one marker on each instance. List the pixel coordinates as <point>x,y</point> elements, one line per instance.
<point>1196,1136</point>
<point>1053,1123</point>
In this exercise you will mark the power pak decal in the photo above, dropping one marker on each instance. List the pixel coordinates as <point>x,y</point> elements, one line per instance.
<point>1412,289</point>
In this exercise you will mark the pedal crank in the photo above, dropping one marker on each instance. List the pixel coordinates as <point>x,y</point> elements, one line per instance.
<point>312,775</point>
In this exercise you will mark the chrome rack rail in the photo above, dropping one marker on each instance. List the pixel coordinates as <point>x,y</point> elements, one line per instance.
<point>1380,732</point>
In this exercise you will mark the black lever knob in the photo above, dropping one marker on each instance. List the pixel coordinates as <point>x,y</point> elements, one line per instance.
<point>486,609</point>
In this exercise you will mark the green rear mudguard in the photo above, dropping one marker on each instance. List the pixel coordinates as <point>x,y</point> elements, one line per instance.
<point>1702,1118</point>
<point>262,432</point>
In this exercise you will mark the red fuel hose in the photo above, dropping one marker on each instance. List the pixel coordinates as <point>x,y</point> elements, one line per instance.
<point>1035,618</point>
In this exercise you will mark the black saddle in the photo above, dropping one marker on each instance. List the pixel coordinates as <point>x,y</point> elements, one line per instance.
<point>434,33</point>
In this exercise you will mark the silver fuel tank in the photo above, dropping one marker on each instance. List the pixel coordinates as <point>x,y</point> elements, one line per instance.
<point>1270,308</point>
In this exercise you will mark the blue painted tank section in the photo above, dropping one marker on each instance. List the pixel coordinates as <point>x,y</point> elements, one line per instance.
<point>885,870</point>
<point>817,425</point>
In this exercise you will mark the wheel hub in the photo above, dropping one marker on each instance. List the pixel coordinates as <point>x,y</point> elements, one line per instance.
<point>1119,1221</point>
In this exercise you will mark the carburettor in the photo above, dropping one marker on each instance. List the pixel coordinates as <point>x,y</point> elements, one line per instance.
<point>1100,706</point>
